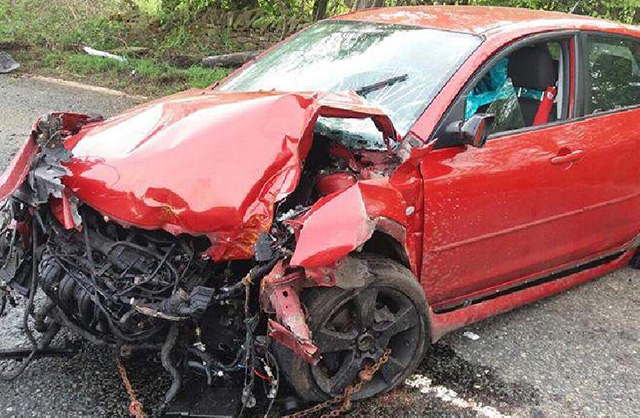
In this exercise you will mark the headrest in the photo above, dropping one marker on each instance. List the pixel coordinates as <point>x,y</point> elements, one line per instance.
<point>532,68</point>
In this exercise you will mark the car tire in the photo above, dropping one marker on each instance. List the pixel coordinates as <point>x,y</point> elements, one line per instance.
<point>350,332</point>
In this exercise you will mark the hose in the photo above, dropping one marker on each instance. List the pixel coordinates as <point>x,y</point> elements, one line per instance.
<point>165,357</point>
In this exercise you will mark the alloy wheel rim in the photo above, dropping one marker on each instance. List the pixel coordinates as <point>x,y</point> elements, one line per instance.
<point>357,331</point>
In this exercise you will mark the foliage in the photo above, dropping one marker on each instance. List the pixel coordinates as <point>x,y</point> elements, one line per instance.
<point>627,11</point>
<point>623,10</point>
<point>141,76</point>
<point>66,24</point>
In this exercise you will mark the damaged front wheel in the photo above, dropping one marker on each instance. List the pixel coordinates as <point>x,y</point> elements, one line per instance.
<point>353,328</point>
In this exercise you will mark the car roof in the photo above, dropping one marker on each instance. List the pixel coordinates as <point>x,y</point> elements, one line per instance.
<point>482,20</point>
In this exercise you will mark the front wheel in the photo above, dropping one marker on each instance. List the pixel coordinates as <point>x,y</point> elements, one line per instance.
<point>353,328</point>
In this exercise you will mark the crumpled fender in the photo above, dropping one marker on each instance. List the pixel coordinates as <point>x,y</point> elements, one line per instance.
<point>340,222</point>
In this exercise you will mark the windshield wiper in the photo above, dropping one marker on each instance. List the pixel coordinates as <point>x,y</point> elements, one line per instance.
<point>363,91</point>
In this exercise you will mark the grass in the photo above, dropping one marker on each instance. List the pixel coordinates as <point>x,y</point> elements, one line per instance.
<point>136,76</point>
<point>46,38</point>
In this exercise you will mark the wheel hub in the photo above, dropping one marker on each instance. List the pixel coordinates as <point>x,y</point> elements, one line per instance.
<point>365,342</point>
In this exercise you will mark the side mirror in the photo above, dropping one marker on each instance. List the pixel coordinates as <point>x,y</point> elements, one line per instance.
<point>473,131</point>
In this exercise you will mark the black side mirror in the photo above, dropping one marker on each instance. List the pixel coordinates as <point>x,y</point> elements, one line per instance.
<point>474,131</point>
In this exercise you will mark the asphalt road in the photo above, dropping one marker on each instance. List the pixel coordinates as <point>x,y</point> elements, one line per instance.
<point>573,355</point>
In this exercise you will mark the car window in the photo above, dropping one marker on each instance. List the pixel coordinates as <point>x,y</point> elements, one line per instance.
<point>398,68</point>
<point>614,73</point>
<point>495,94</point>
<point>514,88</point>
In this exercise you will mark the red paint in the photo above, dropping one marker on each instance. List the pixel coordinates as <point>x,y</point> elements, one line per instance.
<point>332,228</point>
<point>469,19</point>
<point>279,293</point>
<point>339,223</point>
<point>500,213</point>
<point>17,171</point>
<point>61,209</point>
<point>334,182</point>
<point>441,324</point>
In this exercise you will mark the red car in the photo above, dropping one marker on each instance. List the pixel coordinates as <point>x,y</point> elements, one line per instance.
<point>364,187</point>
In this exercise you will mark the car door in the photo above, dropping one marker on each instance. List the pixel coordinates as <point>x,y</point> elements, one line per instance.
<point>533,199</point>
<point>608,177</point>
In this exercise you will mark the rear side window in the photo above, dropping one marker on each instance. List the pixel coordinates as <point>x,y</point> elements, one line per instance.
<point>614,73</point>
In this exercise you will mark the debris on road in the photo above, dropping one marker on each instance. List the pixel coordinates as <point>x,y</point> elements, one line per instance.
<point>7,63</point>
<point>98,53</point>
<point>471,335</point>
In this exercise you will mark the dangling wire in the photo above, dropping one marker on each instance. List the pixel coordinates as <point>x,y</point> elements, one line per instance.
<point>28,308</point>
<point>248,399</point>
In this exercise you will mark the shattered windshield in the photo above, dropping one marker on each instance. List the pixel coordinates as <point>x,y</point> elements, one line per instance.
<point>399,68</point>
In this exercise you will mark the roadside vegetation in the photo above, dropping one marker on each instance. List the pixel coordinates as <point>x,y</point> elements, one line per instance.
<point>165,40</point>
<point>144,77</point>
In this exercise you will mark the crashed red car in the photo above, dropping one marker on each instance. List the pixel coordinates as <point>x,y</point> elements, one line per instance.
<point>351,195</point>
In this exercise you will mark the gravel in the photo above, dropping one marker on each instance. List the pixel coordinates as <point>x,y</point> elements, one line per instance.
<point>575,354</point>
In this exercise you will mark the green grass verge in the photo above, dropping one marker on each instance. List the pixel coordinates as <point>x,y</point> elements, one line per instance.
<point>136,76</point>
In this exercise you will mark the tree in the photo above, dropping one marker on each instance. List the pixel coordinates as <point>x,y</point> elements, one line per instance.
<point>320,9</point>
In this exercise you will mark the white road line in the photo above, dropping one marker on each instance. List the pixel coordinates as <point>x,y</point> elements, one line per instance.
<point>426,386</point>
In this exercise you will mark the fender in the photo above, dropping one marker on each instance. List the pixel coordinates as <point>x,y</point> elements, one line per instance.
<point>341,222</point>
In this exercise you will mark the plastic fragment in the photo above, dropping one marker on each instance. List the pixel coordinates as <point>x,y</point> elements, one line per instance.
<point>471,335</point>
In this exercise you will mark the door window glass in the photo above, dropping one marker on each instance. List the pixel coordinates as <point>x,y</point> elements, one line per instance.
<point>614,73</point>
<point>514,88</point>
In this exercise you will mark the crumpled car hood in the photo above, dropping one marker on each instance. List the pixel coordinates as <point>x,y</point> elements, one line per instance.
<point>203,162</point>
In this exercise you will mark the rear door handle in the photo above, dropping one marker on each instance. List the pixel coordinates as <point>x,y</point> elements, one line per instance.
<point>571,157</point>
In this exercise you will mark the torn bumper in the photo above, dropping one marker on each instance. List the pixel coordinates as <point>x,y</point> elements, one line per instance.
<point>279,294</point>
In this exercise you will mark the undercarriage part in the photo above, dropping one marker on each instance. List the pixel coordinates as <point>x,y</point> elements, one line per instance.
<point>279,292</point>
<point>203,401</point>
<point>134,289</point>
<point>342,403</point>
<point>25,317</point>
<point>23,353</point>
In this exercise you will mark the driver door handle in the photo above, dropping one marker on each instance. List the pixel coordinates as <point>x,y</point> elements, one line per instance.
<point>571,157</point>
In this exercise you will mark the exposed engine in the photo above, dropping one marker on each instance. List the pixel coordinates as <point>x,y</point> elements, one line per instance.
<point>134,290</point>
<point>116,284</point>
